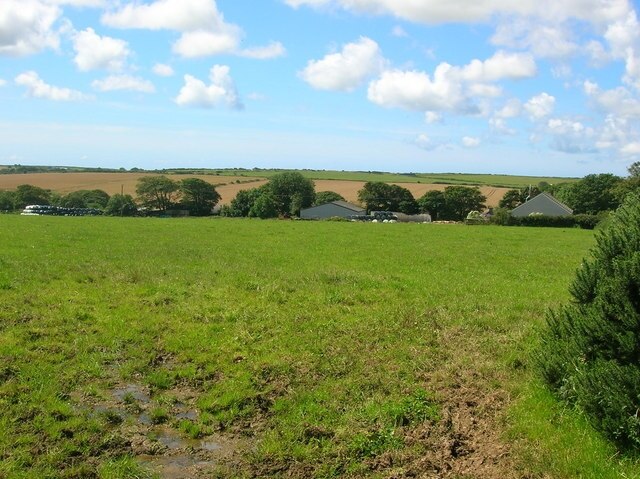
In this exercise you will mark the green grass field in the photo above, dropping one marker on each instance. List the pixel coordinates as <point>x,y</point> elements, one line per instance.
<point>132,348</point>
<point>507,181</point>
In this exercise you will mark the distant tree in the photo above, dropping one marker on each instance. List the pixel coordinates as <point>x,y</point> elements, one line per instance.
<point>7,200</point>
<point>243,202</point>
<point>460,200</point>
<point>121,205</point>
<point>292,191</point>
<point>265,206</point>
<point>198,196</point>
<point>634,170</point>
<point>592,194</point>
<point>516,197</point>
<point>454,203</point>
<point>84,199</point>
<point>31,195</point>
<point>324,197</point>
<point>157,192</point>
<point>433,202</point>
<point>380,196</point>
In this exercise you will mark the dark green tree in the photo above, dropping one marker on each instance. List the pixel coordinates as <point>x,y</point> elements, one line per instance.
<point>460,200</point>
<point>265,206</point>
<point>292,191</point>
<point>634,170</point>
<point>85,199</point>
<point>157,192</point>
<point>380,196</point>
<point>121,205</point>
<point>592,194</point>
<point>433,202</point>
<point>516,197</point>
<point>324,197</point>
<point>7,200</point>
<point>31,195</point>
<point>591,348</point>
<point>198,196</point>
<point>241,205</point>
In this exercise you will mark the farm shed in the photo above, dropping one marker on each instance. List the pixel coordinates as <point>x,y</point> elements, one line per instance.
<point>544,204</point>
<point>329,210</point>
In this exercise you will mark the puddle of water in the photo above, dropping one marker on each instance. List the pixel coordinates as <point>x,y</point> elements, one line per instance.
<point>210,446</point>
<point>174,467</point>
<point>132,390</point>
<point>186,414</point>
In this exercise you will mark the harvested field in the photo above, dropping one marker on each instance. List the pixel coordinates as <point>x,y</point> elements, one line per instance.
<point>227,186</point>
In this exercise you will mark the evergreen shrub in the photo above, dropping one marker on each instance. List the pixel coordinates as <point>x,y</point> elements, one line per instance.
<point>590,350</point>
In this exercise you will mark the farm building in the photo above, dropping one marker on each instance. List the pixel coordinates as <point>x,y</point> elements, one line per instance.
<point>329,210</point>
<point>544,204</point>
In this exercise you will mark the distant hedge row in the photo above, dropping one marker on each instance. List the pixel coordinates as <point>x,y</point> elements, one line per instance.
<point>587,222</point>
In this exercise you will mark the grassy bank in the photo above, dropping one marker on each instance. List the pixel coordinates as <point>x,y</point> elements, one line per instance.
<point>296,349</point>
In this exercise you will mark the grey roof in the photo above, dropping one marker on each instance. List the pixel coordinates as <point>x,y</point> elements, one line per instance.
<point>543,203</point>
<point>347,205</point>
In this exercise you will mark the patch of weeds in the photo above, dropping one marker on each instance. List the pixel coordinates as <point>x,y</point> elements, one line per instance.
<point>123,467</point>
<point>418,407</point>
<point>159,415</point>
<point>191,429</point>
<point>374,443</point>
<point>112,417</point>
<point>160,380</point>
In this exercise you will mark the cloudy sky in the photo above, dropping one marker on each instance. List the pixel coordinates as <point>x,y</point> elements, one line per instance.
<point>540,87</point>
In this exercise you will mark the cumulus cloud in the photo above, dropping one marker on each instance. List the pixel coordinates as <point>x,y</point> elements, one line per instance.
<point>432,117</point>
<point>346,70</point>
<point>28,27</point>
<point>202,43</point>
<point>37,88</point>
<point>570,136</point>
<point>424,142</point>
<point>220,92</point>
<point>470,142</point>
<point>540,106</point>
<point>617,101</point>
<point>450,88</point>
<point>543,40</point>
<point>2,82</point>
<point>511,109</point>
<point>123,82</point>
<point>163,70</point>
<point>273,50</point>
<point>204,31</point>
<point>94,52</point>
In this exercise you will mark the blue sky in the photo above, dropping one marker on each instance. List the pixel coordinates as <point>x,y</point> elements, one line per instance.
<point>535,87</point>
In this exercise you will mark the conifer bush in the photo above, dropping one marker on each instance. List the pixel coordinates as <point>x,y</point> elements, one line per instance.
<point>590,352</point>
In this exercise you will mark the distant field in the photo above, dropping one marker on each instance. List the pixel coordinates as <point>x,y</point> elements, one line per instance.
<point>246,348</point>
<point>437,178</point>
<point>228,185</point>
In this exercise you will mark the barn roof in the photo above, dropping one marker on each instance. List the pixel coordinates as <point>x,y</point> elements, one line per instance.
<point>540,203</point>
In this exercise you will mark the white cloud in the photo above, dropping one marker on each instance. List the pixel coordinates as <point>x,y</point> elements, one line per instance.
<point>501,65</point>
<point>179,15</point>
<point>221,91</point>
<point>617,101</point>
<point>94,52</point>
<point>437,11</point>
<point>27,27</point>
<point>511,109</point>
<point>273,50</point>
<point>347,70</point>
<point>2,82</point>
<point>432,117</point>
<point>163,70</point>
<point>204,30</point>
<point>499,126</point>
<point>543,40</point>
<point>540,106</point>
<point>631,149</point>
<point>450,88</point>
<point>470,142</point>
<point>123,82</point>
<point>202,43</point>
<point>37,88</point>
<point>569,136</point>
<point>424,142</point>
<point>399,32</point>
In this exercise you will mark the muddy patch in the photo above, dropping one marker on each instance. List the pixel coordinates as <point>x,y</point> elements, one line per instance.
<point>466,441</point>
<point>154,438</point>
